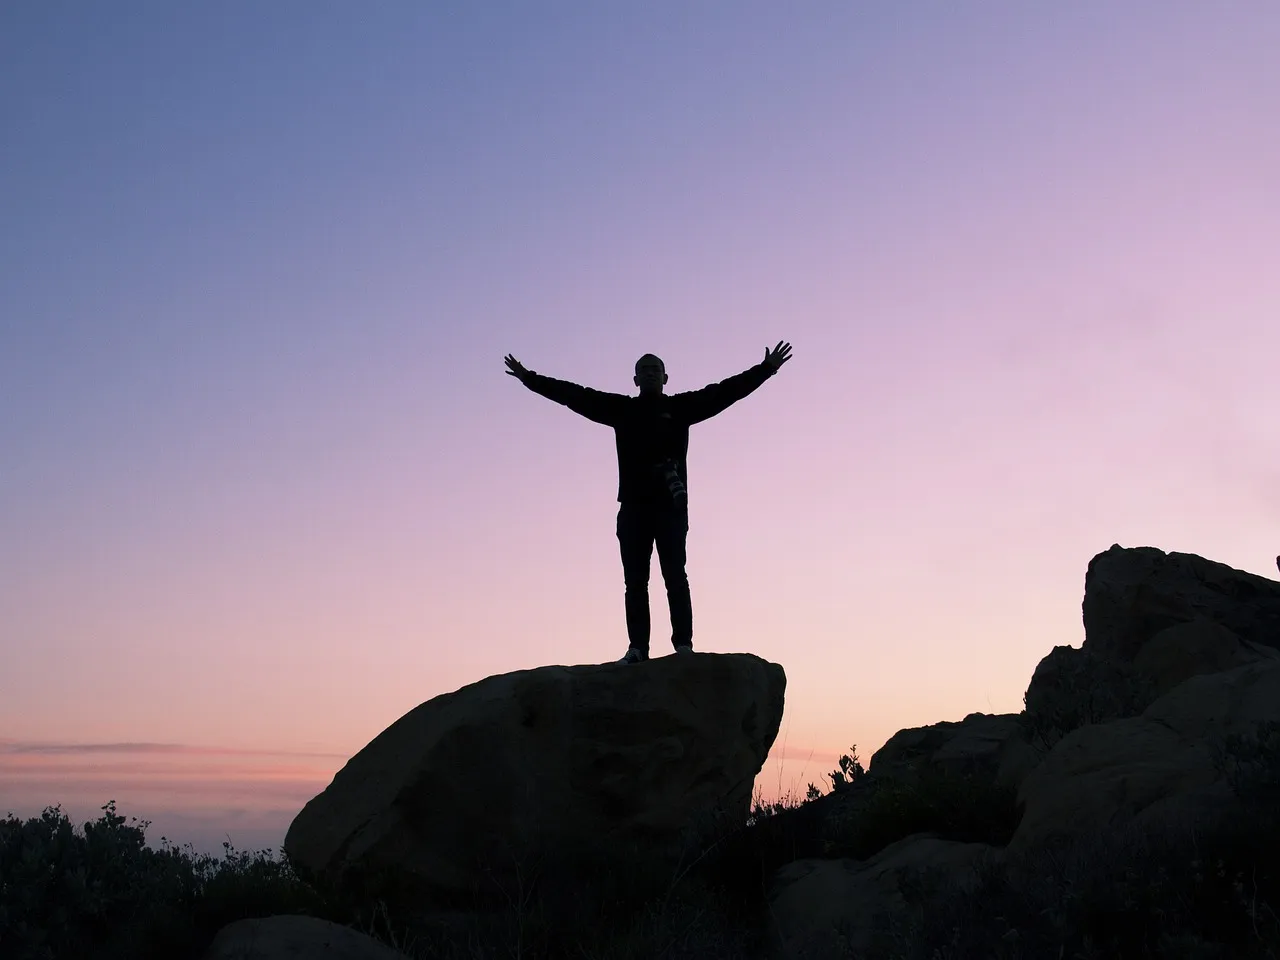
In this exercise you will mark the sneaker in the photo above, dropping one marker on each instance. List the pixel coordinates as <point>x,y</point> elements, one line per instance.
<point>635,655</point>
<point>685,648</point>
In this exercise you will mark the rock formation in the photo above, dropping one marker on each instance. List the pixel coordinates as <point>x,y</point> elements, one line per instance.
<point>474,792</point>
<point>614,766</point>
<point>1152,620</point>
<point>1125,731</point>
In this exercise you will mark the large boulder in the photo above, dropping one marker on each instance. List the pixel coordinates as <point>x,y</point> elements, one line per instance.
<point>834,908</point>
<point>1159,767</point>
<point>560,768</point>
<point>1131,594</point>
<point>291,937</point>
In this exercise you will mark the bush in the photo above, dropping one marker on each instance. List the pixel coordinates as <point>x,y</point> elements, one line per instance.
<point>101,892</point>
<point>849,774</point>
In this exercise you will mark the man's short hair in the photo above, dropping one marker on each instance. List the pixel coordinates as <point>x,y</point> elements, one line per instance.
<point>650,356</point>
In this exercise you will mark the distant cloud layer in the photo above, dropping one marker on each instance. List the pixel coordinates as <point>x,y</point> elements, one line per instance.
<point>204,795</point>
<point>49,749</point>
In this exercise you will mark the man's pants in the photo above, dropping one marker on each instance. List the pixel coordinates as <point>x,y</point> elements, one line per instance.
<point>640,526</point>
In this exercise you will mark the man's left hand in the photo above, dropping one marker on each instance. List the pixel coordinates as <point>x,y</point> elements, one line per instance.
<point>776,357</point>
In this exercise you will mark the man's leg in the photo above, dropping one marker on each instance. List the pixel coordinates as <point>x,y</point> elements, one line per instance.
<point>635,540</point>
<point>671,533</point>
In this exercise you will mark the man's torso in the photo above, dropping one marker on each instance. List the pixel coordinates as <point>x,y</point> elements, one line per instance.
<point>648,435</point>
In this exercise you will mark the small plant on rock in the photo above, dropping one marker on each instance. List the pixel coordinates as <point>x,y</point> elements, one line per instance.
<point>849,773</point>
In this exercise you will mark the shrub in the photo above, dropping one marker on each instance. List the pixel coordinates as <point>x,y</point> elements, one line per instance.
<point>850,773</point>
<point>101,892</point>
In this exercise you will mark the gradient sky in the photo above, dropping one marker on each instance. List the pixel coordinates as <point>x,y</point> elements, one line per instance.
<point>265,486</point>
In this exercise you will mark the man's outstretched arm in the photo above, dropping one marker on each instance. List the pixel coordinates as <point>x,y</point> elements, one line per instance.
<point>592,404</point>
<point>699,405</point>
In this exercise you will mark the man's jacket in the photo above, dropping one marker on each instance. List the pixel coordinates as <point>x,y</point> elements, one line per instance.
<point>649,429</point>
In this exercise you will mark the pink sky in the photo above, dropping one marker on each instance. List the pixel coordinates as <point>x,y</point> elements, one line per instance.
<point>269,489</point>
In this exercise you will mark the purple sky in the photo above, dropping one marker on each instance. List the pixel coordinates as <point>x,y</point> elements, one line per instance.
<point>265,486</point>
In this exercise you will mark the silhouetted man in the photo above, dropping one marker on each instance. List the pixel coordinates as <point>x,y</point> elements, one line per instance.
<point>651,432</point>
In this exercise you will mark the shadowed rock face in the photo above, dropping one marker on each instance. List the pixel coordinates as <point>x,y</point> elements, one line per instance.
<point>469,792</point>
<point>1189,649</point>
<point>1158,766</point>
<point>1131,594</point>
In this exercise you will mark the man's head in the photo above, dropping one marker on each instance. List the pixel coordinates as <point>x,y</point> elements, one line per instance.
<point>651,374</point>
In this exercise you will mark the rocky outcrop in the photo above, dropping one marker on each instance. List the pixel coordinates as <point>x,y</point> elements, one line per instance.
<point>1161,631</point>
<point>614,767</point>
<point>1131,594</point>
<point>475,792</point>
<point>295,938</point>
<point>1152,620</point>
<point>1126,732</point>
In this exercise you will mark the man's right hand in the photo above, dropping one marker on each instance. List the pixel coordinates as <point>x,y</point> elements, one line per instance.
<point>516,369</point>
